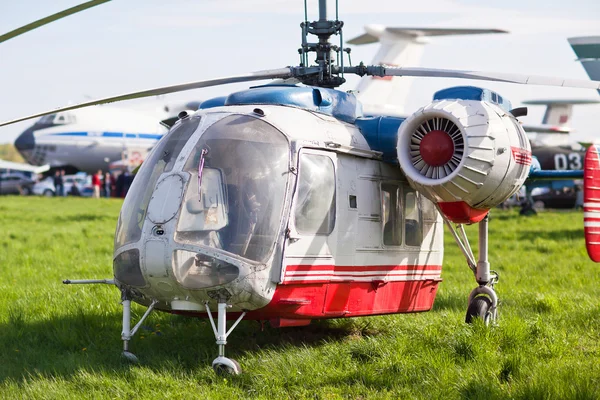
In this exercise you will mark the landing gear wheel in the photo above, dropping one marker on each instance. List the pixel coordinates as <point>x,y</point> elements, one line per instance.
<point>226,366</point>
<point>130,357</point>
<point>480,307</point>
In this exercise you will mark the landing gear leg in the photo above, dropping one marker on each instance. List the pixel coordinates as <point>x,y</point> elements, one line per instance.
<point>127,332</point>
<point>483,301</point>
<point>221,364</point>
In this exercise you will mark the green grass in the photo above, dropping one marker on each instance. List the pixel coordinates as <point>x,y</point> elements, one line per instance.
<point>61,341</point>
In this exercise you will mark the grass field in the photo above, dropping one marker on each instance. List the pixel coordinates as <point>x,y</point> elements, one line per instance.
<point>61,341</point>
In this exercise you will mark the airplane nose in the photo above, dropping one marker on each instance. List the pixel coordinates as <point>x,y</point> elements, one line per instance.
<point>25,141</point>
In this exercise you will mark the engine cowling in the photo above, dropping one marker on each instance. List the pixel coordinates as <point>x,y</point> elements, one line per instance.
<point>467,156</point>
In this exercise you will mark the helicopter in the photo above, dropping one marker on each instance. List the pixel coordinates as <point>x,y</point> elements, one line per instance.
<point>284,203</point>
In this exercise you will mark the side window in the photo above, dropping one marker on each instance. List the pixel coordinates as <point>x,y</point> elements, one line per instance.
<point>315,204</point>
<point>428,210</point>
<point>413,223</point>
<point>391,214</point>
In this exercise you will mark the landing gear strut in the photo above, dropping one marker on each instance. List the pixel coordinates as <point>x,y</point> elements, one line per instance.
<point>483,301</point>
<point>223,365</point>
<point>127,332</point>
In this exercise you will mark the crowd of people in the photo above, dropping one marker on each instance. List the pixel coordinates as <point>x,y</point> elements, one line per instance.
<point>109,185</point>
<point>103,184</point>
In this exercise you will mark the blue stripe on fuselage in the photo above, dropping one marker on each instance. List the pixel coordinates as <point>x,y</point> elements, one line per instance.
<point>120,135</point>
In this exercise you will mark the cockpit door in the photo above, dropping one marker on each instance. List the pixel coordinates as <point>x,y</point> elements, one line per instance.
<point>311,234</point>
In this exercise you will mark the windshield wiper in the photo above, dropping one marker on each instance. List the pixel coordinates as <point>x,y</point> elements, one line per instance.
<point>200,168</point>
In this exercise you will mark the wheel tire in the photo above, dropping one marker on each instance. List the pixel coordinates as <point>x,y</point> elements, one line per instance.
<point>130,357</point>
<point>26,191</point>
<point>479,308</point>
<point>225,370</point>
<point>48,193</point>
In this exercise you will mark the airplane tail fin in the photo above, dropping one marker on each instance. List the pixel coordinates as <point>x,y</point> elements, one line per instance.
<point>398,46</point>
<point>587,49</point>
<point>558,113</point>
<point>591,202</point>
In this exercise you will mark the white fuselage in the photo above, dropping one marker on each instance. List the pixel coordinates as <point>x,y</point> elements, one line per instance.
<point>374,229</point>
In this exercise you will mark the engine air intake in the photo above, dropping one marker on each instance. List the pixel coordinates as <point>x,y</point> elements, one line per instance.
<point>465,155</point>
<point>436,147</point>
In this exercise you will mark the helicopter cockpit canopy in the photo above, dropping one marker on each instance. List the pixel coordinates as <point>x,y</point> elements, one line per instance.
<point>234,207</point>
<point>244,163</point>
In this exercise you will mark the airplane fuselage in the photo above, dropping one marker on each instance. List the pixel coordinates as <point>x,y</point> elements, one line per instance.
<point>89,140</point>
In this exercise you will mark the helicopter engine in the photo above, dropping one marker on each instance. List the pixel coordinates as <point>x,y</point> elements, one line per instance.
<point>467,156</point>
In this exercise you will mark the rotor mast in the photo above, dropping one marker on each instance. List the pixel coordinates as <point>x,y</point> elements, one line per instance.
<point>328,69</point>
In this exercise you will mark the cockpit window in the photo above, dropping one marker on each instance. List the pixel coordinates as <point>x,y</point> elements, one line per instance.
<point>244,164</point>
<point>47,119</point>
<point>58,119</point>
<point>161,159</point>
<point>412,218</point>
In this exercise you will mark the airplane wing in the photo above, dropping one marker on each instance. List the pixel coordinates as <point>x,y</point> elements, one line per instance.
<point>398,47</point>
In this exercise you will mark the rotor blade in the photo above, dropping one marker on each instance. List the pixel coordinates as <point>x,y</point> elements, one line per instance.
<point>51,18</point>
<point>252,76</point>
<point>523,79</point>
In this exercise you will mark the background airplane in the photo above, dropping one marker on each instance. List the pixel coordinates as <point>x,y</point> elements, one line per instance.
<point>91,139</point>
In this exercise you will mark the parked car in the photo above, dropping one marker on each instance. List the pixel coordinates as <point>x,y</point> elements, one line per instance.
<point>15,183</point>
<point>46,187</point>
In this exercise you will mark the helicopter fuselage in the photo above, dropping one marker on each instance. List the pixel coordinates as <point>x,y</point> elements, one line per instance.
<point>285,212</point>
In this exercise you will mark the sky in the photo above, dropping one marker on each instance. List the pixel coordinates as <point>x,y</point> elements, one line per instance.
<point>130,45</point>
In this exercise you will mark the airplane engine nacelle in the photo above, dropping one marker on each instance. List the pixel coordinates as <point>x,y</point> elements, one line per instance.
<point>467,156</point>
